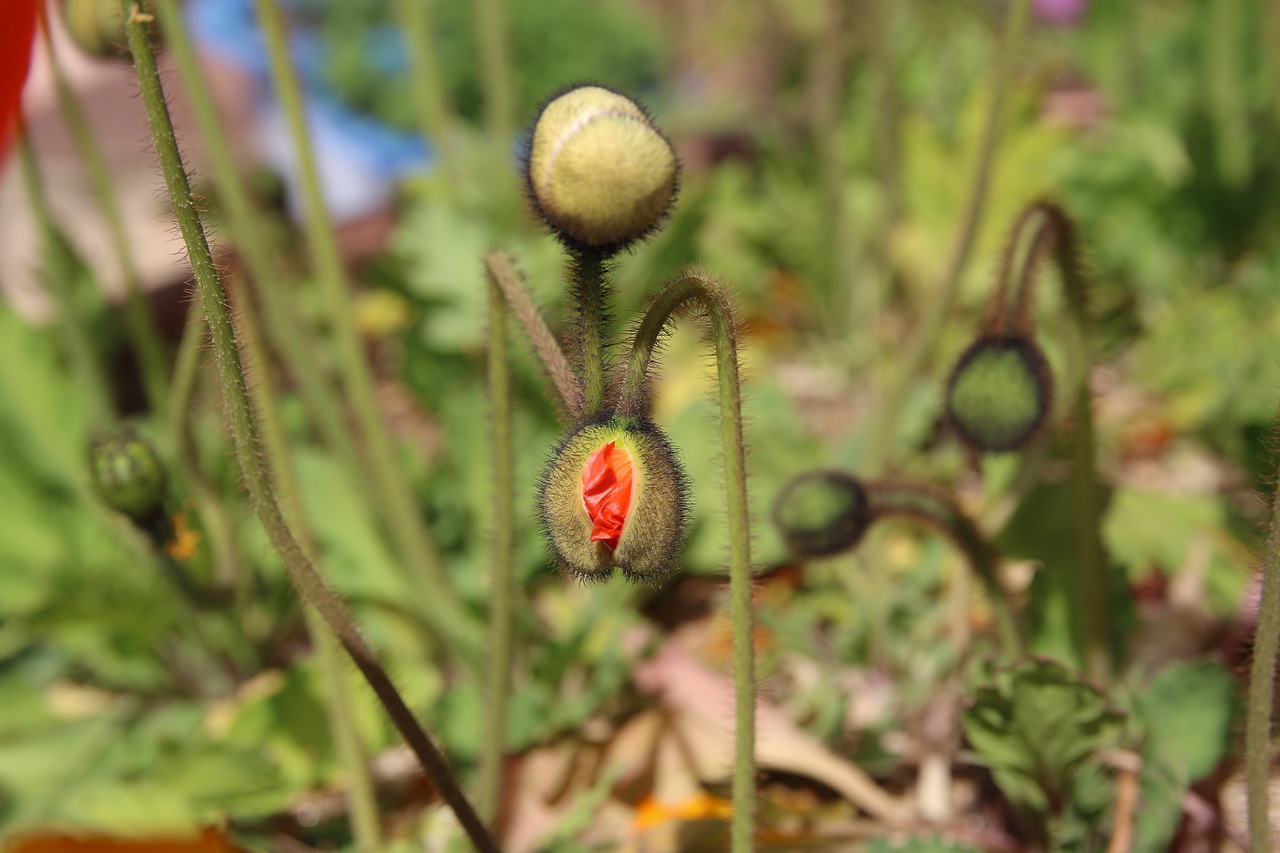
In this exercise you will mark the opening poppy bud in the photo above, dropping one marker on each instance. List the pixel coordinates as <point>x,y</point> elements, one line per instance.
<point>999,393</point>
<point>822,513</point>
<point>598,170</point>
<point>614,496</point>
<point>126,472</point>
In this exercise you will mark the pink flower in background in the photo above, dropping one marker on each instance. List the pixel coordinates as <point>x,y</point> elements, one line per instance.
<point>1061,12</point>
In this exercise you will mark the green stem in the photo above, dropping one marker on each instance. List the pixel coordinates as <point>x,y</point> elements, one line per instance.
<point>140,322</point>
<point>245,225</point>
<point>249,449</point>
<point>436,120</point>
<point>1262,689</point>
<point>589,283</point>
<point>694,288</point>
<point>58,269</point>
<point>502,585</point>
<point>893,498</point>
<point>394,495</point>
<point>503,274</point>
<point>923,343</point>
<point>1051,226</point>
<point>496,75</point>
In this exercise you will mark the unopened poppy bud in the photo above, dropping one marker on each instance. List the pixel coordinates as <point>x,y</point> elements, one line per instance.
<point>614,496</point>
<point>97,27</point>
<point>126,472</point>
<point>599,171</point>
<point>999,393</point>
<point>822,513</point>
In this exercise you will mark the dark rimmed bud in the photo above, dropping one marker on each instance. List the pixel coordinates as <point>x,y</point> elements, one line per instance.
<point>598,170</point>
<point>821,513</point>
<point>999,393</point>
<point>615,496</point>
<point>126,472</point>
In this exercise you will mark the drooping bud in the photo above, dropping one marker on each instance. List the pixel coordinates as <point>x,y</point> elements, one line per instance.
<point>999,393</point>
<point>126,472</point>
<point>614,496</point>
<point>821,513</point>
<point>598,170</point>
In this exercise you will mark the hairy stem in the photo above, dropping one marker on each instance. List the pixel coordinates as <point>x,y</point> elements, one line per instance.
<point>503,275</point>
<point>589,286</point>
<point>942,303</point>
<point>139,321</point>
<point>392,491</point>
<point>1262,690</point>
<point>698,289</point>
<point>249,450</point>
<point>502,584</point>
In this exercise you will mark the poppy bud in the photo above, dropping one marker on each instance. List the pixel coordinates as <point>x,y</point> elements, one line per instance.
<point>97,27</point>
<point>598,170</point>
<point>822,513</point>
<point>614,495</point>
<point>126,472</point>
<point>999,393</point>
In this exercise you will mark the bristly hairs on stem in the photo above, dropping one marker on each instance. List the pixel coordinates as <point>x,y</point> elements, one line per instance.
<point>1260,702</point>
<point>245,434</point>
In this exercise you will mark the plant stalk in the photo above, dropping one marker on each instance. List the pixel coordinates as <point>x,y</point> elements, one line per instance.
<point>695,288</point>
<point>249,449</point>
<point>590,290</point>
<point>503,582</point>
<point>501,272</point>
<point>139,321</point>
<point>394,495</point>
<point>1262,690</point>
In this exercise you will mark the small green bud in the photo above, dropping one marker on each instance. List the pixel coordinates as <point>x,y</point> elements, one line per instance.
<point>97,27</point>
<point>999,393</point>
<point>615,496</point>
<point>127,473</point>
<point>598,170</point>
<point>822,513</point>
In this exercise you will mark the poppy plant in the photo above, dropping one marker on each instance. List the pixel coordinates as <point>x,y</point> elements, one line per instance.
<point>17,33</point>
<point>607,481</point>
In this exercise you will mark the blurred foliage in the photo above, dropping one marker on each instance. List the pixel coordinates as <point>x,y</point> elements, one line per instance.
<point>130,707</point>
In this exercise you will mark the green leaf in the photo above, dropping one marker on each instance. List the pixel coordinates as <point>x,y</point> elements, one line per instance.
<point>1035,727</point>
<point>1189,710</point>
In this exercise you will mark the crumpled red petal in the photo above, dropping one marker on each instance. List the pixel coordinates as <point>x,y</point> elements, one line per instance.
<point>16,36</point>
<point>606,492</point>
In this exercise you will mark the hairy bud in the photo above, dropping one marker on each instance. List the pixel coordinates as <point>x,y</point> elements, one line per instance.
<point>821,513</point>
<point>999,393</point>
<point>615,496</point>
<point>126,472</point>
<point>599,171</point>
<point>97,27</point>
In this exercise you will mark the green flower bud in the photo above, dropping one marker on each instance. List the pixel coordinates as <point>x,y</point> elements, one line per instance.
<point>999,393</point>
<point>97,27</point>
<point>127,473</point>
<point>615,496</point>
<point>598,170</point>
<point>822,513</point>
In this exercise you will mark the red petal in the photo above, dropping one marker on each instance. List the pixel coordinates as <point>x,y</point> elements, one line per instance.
<point>606,492</point>
<point>17,31</point>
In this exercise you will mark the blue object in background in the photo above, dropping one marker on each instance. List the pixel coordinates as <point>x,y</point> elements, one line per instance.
<point>360,159</point>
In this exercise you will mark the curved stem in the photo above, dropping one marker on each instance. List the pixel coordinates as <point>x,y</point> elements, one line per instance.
<point>249,449</point>
<point>1091,583</point>
<point>942,303</point>
<point>892,498</point>
<point>395,497</point>
<point>502,584</point>
<point>503,275</point>
<point>694,288</point>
